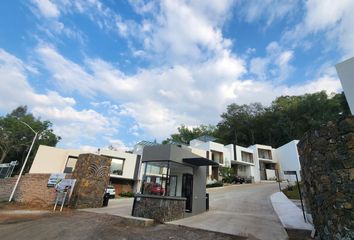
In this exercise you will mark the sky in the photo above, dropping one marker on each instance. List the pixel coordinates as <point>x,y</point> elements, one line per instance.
<point>117,72</point>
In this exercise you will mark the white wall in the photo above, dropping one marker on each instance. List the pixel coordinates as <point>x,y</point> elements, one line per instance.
<point>53,160</point>
<point>288,158</point>
<point>213,146</point>
<point>345,72</point>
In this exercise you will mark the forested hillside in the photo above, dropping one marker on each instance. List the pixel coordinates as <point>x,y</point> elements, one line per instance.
<point>287,118</point>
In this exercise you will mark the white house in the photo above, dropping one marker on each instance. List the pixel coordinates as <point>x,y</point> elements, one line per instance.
<point>124,167</point>
<point>244,162</point>
<point>345,72</point>
<point>288,157</point>
<point>214,151</point>
<point>257,162</point>
<point>266,162</point>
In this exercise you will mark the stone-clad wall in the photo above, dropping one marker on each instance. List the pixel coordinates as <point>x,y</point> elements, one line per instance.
<point>92,177</point>
<point>32,189</point>
<point>327,162</point>
<point>6,186</point>
<point>161,209</point>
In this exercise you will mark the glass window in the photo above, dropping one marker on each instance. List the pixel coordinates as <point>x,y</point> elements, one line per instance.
<point>70,164</point>
<point>164,178</point>
<point>247,157</point>
<point>265,154</point>
<point>117,166</point>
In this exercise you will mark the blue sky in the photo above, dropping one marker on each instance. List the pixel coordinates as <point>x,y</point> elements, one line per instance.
<point>117,72</point>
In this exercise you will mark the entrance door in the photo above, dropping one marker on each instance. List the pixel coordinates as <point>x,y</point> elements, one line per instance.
<point>187,190</point>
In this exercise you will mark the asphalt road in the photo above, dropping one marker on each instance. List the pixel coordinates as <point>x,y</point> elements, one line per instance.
<point>243,210</point>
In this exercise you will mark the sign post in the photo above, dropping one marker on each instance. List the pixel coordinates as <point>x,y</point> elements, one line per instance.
<point>298,187</point>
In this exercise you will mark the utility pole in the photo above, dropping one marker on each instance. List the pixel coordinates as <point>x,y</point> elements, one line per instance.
<point>24,164</point>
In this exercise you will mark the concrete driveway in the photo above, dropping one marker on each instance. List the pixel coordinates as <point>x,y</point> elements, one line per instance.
<point>243,210</point>
<point>118,206</point>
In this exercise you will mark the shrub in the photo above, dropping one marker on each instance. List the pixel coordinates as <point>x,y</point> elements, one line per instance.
<point>127,194</point>
<point>215,184</point>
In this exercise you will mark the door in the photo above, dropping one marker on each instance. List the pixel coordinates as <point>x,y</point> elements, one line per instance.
<point>187,190</point>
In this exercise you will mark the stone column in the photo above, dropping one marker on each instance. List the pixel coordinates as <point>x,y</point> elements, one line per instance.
<point>92,177</point>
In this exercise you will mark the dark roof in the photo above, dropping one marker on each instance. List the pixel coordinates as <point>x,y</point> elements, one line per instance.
<point>200,161</point>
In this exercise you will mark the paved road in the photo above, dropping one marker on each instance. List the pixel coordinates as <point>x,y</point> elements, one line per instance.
<point>243,210</point>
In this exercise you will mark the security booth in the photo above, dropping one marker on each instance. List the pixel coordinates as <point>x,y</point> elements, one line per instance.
<point>173,183</point>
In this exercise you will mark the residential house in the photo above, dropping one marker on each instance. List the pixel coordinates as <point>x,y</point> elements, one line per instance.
<point>216,152</point>
<point>288,158</point>
<point>123,171</point>
<point>345,72</point>
<point>266,162</point>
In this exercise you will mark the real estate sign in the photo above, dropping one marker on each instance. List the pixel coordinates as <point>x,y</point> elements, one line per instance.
<point>55,178</point>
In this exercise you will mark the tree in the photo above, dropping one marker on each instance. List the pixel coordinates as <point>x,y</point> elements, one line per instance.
<point>287,118</point>
<point>15,137</point>
<point>185,134</point>
<point>237,124</point>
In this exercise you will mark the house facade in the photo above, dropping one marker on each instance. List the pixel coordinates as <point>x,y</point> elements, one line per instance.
<point>123,171</point>
<point>214,151</point>
<point>255,163</point>
<point>345,72</point>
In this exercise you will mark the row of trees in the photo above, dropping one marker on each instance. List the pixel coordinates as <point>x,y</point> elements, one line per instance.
<point>16,137</point>
<point>287,118</point>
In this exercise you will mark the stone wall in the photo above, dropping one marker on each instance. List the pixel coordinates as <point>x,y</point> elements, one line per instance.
<point>92,177</point>
<point>161,209</point>
<point>32,189</point>
<point>327,162</point>
<point>6,186</point>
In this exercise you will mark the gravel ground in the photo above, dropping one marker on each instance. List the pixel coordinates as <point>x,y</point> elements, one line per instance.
<point>84,225</point>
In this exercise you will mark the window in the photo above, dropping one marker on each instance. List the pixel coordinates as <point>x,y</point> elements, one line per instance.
<point>265,154</point>
<point>217,157</point>
<point>247,157</point>
<point>117,166</point>
<point>70,164</point>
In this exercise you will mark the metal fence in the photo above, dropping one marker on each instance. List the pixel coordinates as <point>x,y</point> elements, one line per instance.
<point>6,169</point>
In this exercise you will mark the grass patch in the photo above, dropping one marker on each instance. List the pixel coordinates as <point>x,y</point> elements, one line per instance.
<point>292,192</point>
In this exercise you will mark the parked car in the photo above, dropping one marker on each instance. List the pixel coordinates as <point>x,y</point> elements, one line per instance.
<point>239,179</point>
<point>111,190</point>
<point>157,189</point>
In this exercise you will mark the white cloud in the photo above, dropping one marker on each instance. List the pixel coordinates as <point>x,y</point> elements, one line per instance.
<point>275,65</point>
<point>192,77</point>
<point>334,19</point>
<point>268,10</point>
<point>47,8</point>
<point>71,124</point>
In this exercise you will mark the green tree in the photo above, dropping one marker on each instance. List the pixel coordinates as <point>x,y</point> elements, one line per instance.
<point>185,134</point>
<point>287,118</point>
<point>238,124</point>
<point>16,138</point>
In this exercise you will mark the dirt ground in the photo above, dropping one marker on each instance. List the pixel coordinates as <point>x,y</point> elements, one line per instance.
<point>84,225</point>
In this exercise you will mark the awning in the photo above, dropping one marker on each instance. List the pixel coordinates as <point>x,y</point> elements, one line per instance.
<point>200,161</point>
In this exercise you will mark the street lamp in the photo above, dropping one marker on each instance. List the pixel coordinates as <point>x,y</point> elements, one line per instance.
<point>24,164</point>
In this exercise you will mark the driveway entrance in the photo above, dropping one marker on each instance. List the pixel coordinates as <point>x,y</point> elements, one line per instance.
<point>118,206</point>
<point>243,210</point>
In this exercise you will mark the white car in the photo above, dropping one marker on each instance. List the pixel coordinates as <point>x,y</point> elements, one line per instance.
<point>111,190</point>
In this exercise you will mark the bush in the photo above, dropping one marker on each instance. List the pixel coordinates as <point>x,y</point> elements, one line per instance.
<point>227,174</point>
<point>215,184</point>
<point>127,194</point>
